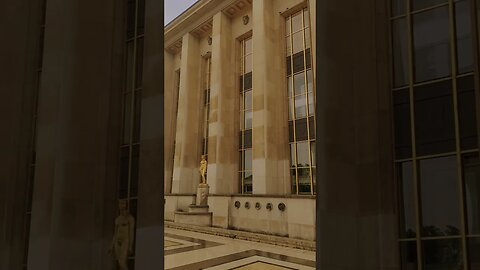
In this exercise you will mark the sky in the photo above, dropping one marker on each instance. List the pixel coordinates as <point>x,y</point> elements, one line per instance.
<point>173,8</point>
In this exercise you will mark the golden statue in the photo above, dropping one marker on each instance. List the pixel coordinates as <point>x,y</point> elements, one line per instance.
<point>122,243</point>
<point>203,169</point>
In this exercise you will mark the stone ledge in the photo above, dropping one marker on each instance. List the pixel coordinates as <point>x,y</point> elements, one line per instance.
<point>243,235</point>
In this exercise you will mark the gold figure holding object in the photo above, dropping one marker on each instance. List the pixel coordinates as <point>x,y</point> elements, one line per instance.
<point>203,169</point>
<point>122,243</point>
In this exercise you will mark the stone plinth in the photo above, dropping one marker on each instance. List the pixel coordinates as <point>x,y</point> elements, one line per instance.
<point>202,194</point>
<point>198,208</point>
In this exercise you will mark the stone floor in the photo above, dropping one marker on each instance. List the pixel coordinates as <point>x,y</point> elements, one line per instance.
<point>186,250</point>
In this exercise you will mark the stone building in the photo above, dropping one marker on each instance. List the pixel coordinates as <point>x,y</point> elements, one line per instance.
<point>356,124</point>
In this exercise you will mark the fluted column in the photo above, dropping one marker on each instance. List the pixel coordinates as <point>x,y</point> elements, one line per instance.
<point>222,152</point>
<point>187,146</point>
<point>270,141</point>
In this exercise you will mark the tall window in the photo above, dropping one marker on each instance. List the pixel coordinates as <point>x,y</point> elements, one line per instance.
<point>177,93</point>
<point>33,154</point>
<point>130,145</point>
<point>436,141</point>
<point>206,105</point>
<point>246,116</point>
<point>301,103</point>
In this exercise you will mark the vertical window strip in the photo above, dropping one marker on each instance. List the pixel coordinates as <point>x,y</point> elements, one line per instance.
<point>208,62</point>
<point>246,109</point>
<point>297,73</point>
<point>128,184</point>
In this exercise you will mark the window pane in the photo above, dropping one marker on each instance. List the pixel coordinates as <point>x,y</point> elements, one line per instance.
<point>464,37</point>
<point>247,83</point>
<point>290,108</point>
<point>248,119</point>
<point>301,131</point>
<point>289,66</point>
<point>307,38</point>
<point>247,139</point>
<point>292,155</point>
<point>127,126</point>
<point>296,22</point>
<point>289,86</point>
<point>300,106</point>
<point>248,63</point>
<point>299,83</point>
<point>434,120</point>
<point>248,160</point>
<point>248,100</point>
<point>403,139</point>
<point>311,102</point>
<point>431,44</point>
<point>311,124</point>
<point>288,45</point>
<point>467,113</point>
<point>473,251</point>
<point>306,18</point>
<point>303,159</point>
<point>419,4</point>
<point>248,46</point>
<point>129,67</point>
<point>312,149</point>
<point>400,52</point>
<point>293,177</point>
<point>442,254</point>
<point>290,131</point>
<point>439,196</point>
<point>408,253</point>
<point>298,62</point>
<point>310,80</point>
<point>471,175</point>
<point>287,26</point>
<point>398,7</point>
<point>297,42</point>
<point>407,200</point>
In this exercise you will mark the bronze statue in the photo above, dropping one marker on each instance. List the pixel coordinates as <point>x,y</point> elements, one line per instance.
<point>122,243</point>
<point>203,169</point>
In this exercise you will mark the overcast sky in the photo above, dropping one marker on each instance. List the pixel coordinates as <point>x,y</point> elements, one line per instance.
<point>173,8</point>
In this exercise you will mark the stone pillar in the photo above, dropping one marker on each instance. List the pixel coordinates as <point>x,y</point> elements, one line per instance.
<point>18,83</point>
<point>187,149</point>
<point>270,133</point>
<point>149,235</point>
<point>77,136</point>
<point>169,116</point>
<point>356,200</point>
<point>222,152</point>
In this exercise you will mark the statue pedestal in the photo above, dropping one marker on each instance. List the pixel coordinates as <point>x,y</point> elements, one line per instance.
<point>197,213</point>
<point>202,194</point>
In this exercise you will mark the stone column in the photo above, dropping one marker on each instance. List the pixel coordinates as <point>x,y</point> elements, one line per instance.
<point>169,116</point>
<point>149,235</point>
<point>187,149</point>
<point>270,140</point>
<point>222,152</point>
<point>77,138</point>
<point>356,199</point>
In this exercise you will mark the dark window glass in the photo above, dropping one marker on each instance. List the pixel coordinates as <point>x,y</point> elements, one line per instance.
<point>298,62</point>
<point>467,113</point>
<point>123,188</point>
<point>290,131</point>
<point>247,182</point>
<point>139,64</point>
<point>464,37</point>
<point>137,116</point>
<point>442,254</point>
<point>408,253</point>
<point>301,129</point>
<point>304,180</point>
<point>419,4</point>
<point>293,176</point>
<point>431,44</point>
<point>247,165</point>
<point>130,18</point>
<point>474,253</point>
<point>307,56</point>
<point>471,177</point>
<point>439,196</point>
<point>400,52</point>
<point>289,66</point>
<point>434,121</point>
<point>398,7</point>
<point>127,114</point>
<point>311,123</point>
<point>403,139</point>
<point>248,138</point>
<point>141,17</point>
<point>134,177</point>
<point>407,200</point>
<point>248,81</point>
<point>129,67</point>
